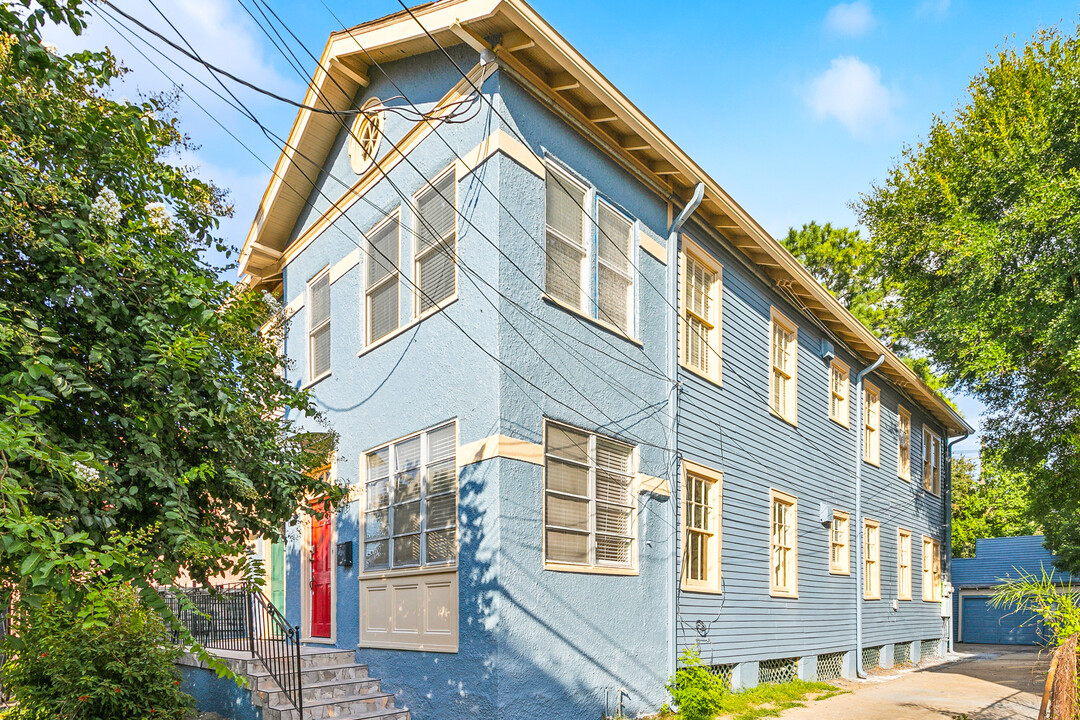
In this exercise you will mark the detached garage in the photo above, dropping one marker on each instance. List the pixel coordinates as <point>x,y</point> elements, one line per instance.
<point>974,579</point>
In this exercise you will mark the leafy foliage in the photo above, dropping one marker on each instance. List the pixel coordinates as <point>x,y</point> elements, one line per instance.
<point>979,228</point>
<point>144,424</point>
<point>987,502</point>
<point>1056,605</point>
<point>697,692</point>
<point>120,665</point>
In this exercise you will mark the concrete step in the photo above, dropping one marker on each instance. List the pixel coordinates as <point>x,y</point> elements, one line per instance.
<point>318,691</point>
<point>261,679</point>
<point>333,709</point>
<point>311,659</point>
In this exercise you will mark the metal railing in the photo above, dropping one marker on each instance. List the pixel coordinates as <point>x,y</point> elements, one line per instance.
<point>238,618</point>
<point>5,694</point>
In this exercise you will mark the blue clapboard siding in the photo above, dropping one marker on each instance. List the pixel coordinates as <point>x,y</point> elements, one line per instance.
<point>730,428</point>
<point>998,559</point>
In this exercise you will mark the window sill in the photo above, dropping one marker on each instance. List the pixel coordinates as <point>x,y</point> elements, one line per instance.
<point>318,640</point>
<point>834,571</point>
<point>905,479</point>
<point>904,599</point>
<point>589,569</point>
<point>704,376</point>
<point>595,321</point>
<point>784,595</point>
<point>316,381</point>
<point>871,462</point>
<point>841,423</point>
<point>413,648</point>
<point>793,422</point>
<point>407,326</point>
<point>407,572</point>
<point>871,597</point>
<point>701,589</point>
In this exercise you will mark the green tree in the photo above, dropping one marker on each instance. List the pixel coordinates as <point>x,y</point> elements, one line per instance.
<point>987,501</point>
<point>979,228</point>
<point>144,425</point>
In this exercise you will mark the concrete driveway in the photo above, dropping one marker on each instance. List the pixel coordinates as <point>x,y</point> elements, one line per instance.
<point>988,682</point>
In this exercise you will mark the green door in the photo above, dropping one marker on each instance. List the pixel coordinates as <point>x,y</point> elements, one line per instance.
<point>277,575</point>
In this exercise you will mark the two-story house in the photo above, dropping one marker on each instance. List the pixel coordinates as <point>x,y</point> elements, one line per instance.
<point>590,412</point>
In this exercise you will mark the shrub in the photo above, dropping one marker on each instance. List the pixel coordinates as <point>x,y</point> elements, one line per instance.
<point>117,664</point>
<point>696,691</point>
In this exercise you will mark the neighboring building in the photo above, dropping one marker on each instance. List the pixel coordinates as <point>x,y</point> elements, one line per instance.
<point>998,560</point>
<point>577,439</point>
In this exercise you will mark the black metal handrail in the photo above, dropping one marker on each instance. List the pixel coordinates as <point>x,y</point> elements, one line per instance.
<point>236,617</point>
<point>5,692</point>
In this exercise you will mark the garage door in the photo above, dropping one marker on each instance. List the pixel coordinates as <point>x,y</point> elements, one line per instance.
<point>982,623</point>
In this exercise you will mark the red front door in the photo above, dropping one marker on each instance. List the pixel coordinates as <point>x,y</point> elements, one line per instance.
<point>320,576</point>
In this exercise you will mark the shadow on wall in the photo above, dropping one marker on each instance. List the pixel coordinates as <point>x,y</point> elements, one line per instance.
<point>502,670</point>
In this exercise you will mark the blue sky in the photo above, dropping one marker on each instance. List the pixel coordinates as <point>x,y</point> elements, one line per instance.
<point>794,107</point>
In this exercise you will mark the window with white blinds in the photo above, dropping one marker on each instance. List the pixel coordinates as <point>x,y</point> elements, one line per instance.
<point>589,510</point>
<point>700,331</point>
<point>436,243</point>
<point>784,350</point>
<point>383,280</point>
<point>614,271</point>
<point>319,325</point>
<point>410,502</point>
<point>566,249</point>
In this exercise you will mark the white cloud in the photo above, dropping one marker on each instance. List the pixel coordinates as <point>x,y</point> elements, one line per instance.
<point>852,19</point>
<point>851,92</point>
<point>933,8</point>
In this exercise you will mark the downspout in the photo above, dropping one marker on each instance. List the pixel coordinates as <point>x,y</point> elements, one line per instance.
<point>860,540</point>
<point>948,524</point>
<point>673,411</point>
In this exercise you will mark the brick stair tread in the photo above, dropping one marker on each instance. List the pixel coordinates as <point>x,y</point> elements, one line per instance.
<point>337,701</point>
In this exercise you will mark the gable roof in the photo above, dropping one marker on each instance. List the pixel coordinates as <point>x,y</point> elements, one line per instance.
<point>539,58</point>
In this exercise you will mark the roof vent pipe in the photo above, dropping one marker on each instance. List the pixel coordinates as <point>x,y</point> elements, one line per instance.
<point>673,471</point>
<point>860,435</point>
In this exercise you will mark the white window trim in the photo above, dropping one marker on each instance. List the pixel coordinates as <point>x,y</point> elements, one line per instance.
<point>632,257</point>
<point>586,262</point>
<point>843,568</point>
<point>872,574</point>
<point>393,217</point>
<point>312,377</point>
<point>901,415</point>
<point>408,569</point>
<point>777,318</point>
<point>871,449</point>
<point>715,342</point>
<point>429,186</point>
<point>592,567</point>
<point>901,535</point>
<point>791,590</point>
<point>930,439</point>
<point>714,583</point>
<point>845,396</point>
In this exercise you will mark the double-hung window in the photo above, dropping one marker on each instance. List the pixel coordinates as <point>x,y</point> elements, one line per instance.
<point>784,350</point>
<point>566,249</point>
<point>319,325</point>
<point>839,544</point>
<point>382,295</point>
<point>871,560</point>
<point>903,564</point>
<point>931,570</point>
<point>838,392</point>
<point>589,260</point>
<point>701,528</point>
<point>410,502</point>
<point>436,243</point>
<point>784,574</point>
<point>701,309</point>
<point>589,507</point>
<point>904,445</point>
<point>931,462</point>
<point>872,425</point>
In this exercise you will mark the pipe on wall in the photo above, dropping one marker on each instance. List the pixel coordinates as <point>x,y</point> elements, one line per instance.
<point>860,434</point>
<point>673,409</point>
<point>948,522</point>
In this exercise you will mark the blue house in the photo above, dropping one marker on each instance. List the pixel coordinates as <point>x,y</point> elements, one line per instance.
<point>998,560</point>
<point>590,414</point>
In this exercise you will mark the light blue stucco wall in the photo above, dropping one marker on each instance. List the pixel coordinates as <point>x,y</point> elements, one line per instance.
<point>218,694</point>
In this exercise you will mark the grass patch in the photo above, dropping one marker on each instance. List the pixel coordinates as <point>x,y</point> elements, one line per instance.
<point>770,700</point>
